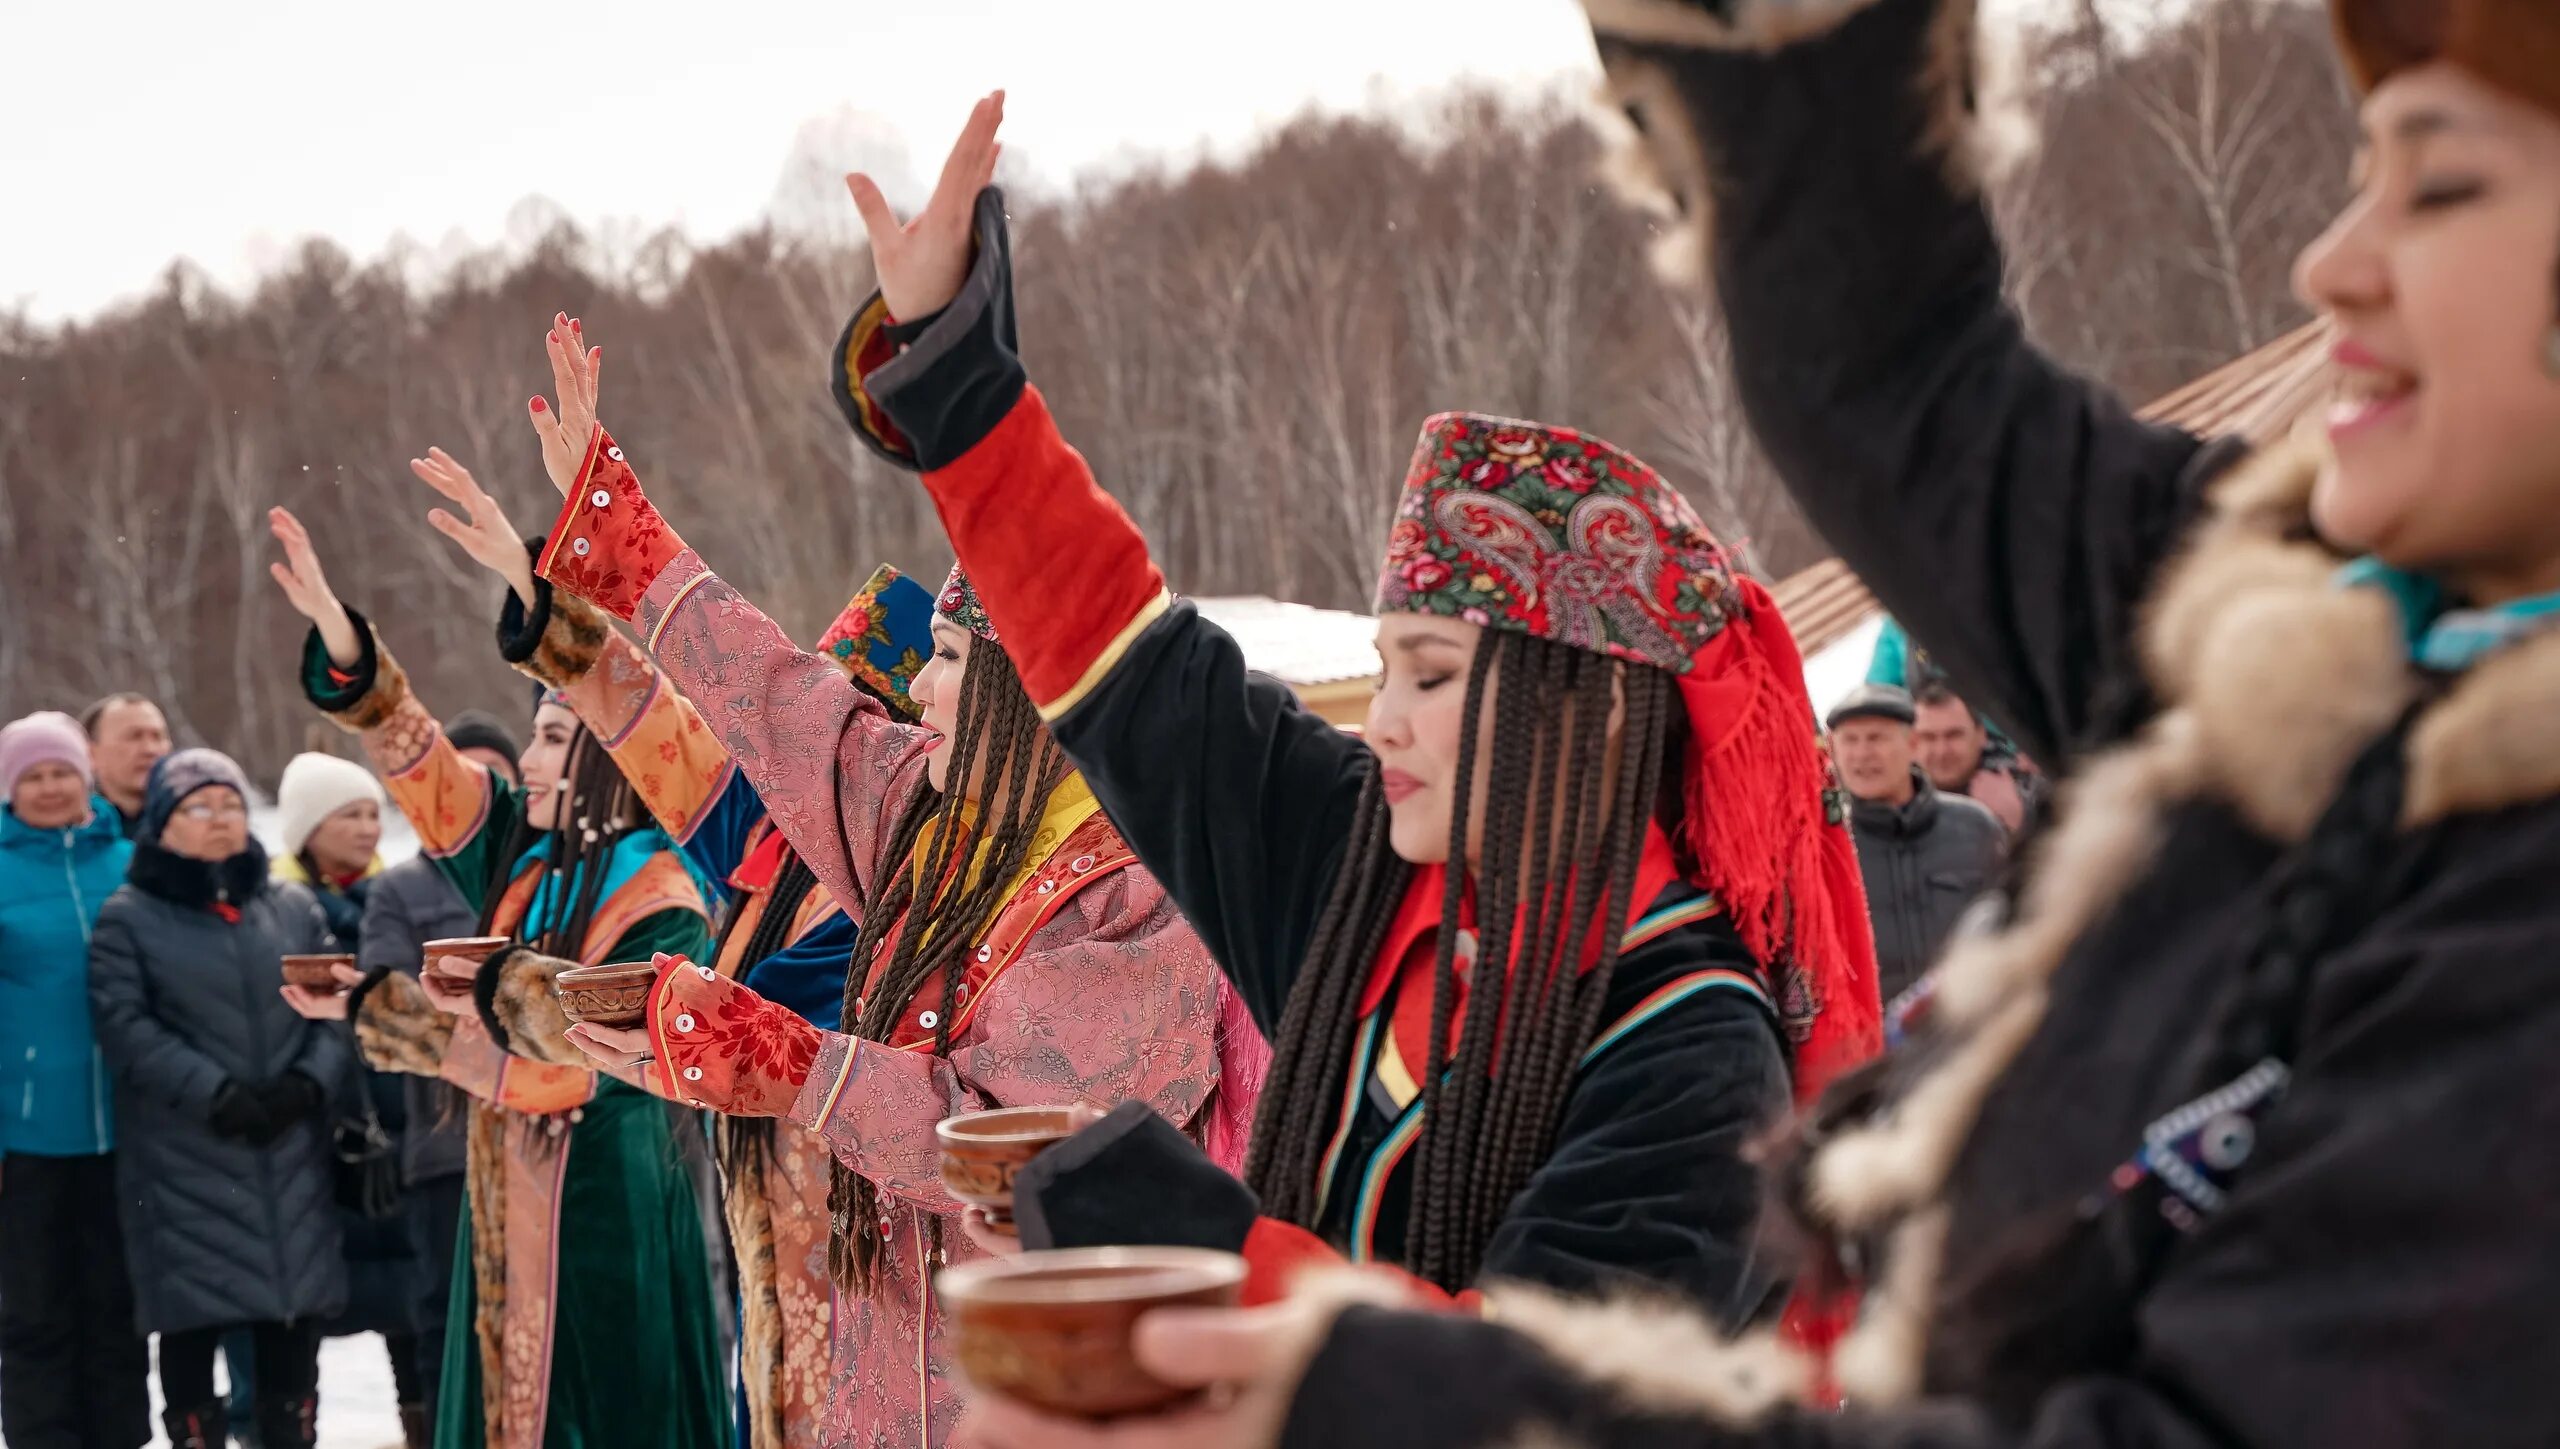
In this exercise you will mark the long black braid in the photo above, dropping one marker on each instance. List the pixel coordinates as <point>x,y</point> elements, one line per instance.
<point>938,907</point>
<point>1556,869</point>
<point>2025,1314</point>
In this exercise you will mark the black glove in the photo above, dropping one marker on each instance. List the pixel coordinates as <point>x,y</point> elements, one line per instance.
<point>240,1111</point>
<point>290,1097</point>
<point>1131,1179</point>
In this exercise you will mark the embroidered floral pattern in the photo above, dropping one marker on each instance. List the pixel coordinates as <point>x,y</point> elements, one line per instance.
<point>959,603</point>
<point>724,1047</point>
<point>884,636</point>
<point>1514,525</point>
<point>608,553</point>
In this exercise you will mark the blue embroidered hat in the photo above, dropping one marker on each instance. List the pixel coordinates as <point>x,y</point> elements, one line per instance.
<point>884,636</point>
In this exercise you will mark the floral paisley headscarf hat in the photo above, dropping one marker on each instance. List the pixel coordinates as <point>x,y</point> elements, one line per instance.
<point>1550,532</point>
<point>884,636</point>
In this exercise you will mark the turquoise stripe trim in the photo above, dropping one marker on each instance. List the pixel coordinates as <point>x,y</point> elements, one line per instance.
<point>1671,996</point>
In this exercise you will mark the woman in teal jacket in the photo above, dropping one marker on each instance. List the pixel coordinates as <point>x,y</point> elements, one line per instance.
<point>72,1368</point>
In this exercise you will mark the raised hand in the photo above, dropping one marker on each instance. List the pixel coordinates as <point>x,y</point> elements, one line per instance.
<point>491,541</point>
<point>565,425</point>
<point>307,588</point>
<point>922,263</point>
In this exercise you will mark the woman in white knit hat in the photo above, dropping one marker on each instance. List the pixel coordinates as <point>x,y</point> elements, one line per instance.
<point>329,815</point>
<point>329,821</point>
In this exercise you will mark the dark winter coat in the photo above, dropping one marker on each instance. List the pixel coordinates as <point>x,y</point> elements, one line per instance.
<point>217,1230</point>
<point>410,905</point>
<point>2362,1253</point>
<point>383,1268</point>
<point>1923,861</point>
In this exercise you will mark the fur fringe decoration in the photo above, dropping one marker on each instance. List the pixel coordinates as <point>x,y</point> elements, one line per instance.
<point>1660,1357</point>
<point>751,1238</point>
<point>1975,81</point>
<point>486,1179</point>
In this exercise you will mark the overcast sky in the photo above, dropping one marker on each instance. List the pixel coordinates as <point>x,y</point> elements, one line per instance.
<point>133,134</point>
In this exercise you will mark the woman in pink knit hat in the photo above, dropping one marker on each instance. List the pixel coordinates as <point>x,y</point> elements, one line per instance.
<point>71,1365</point>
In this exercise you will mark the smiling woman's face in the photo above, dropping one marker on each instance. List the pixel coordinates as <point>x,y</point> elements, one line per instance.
<point>2440,277</point>
<point>545,765</point>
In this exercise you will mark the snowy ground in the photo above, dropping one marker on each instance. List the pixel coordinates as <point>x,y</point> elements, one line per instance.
<point>358,1408</point>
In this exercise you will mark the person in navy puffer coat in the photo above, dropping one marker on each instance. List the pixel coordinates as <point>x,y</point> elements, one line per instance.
<point>224,1172</point>
<point>72,1368</point>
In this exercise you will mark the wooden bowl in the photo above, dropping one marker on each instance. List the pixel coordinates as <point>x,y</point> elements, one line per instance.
<point>1052,1329</point>
<point>312,973</point>
<point>474,948</point>
<point>616,995</point>
<point>981,1151</point>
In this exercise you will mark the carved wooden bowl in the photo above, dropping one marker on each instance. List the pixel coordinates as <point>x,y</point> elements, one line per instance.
<point>312,973</point>
<point>981,1151</point>
<point>470,948</point>
<point>616,996</point>
<point>1052,1329</point>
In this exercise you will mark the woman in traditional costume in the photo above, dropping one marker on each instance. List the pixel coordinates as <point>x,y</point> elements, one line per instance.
<point>587,1275</point>
<point>783,934</point>
<point>2239,1129</point>
<point>1541,952</point>
<point>1012,952</point>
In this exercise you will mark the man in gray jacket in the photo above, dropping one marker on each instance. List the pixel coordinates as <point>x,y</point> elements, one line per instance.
<point>1925,854</point>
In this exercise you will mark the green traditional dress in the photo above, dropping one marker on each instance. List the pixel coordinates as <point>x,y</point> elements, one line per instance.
<point>583,1313</point>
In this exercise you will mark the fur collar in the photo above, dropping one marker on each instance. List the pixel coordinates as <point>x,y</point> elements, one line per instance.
<point>199,884</point>
<point>2288,677</point>
<point>2272,679</point>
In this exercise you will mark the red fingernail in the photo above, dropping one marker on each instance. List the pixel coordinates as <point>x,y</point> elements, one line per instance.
<point>539,405</point>
<point>577,326</point>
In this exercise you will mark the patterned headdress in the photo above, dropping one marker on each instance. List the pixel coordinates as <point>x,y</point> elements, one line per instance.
<point>2512,44</point>
<point>959,603</point>
<point>1548,532</point>
<point>884,636</point>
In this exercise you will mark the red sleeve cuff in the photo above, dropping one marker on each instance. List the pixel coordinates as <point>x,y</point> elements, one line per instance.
<point>609,543</point>
<point>1275,1253</point>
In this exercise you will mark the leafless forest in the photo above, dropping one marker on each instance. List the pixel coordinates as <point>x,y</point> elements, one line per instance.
<point>1242,351</point>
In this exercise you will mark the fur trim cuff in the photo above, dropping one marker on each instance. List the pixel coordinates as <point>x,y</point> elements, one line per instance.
<point>1658,1357</point>
<point>362,696</point>
<point>556,641</point>
<point>398,1030</point>
<point>522,1011</point>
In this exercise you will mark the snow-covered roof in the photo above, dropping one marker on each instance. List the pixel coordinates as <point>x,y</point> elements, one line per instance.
<point>1297,644</point>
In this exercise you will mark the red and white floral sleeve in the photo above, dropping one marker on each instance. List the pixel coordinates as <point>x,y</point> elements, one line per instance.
<point>715,1043</point>
<point>831,765</point>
